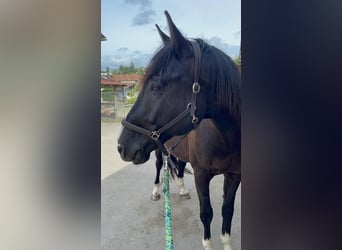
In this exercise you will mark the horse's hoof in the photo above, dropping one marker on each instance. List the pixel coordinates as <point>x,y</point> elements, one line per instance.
<point>186,196</point>
<point>155,197</point>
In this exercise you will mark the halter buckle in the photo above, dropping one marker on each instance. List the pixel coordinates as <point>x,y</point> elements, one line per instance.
<point>196,87</point>
<point>155,135</point>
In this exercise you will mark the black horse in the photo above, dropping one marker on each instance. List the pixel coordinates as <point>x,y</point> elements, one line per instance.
<point>186,82</point>
<point>183,192</point>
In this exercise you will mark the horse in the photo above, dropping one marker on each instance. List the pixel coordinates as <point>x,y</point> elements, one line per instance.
<point>190,87</point>
<point>180,165</point>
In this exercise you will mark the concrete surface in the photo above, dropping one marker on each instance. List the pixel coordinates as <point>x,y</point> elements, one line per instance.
<point>110,158</point>
<point>131,220</point>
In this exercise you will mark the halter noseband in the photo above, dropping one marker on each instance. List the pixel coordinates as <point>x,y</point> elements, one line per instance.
<point>190,109</point>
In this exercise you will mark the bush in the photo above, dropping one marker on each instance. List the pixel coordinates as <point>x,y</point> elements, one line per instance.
<point>132,96</point>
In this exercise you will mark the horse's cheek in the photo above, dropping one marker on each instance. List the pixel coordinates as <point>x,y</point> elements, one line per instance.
<point>154,111</point>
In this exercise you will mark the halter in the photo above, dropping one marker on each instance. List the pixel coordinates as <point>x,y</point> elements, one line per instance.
<point>190,109</point>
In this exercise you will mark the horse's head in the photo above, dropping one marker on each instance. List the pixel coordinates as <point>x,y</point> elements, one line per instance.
<point>167,90</point>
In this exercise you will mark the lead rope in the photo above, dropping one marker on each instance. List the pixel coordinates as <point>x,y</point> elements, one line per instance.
<point>168,218</point>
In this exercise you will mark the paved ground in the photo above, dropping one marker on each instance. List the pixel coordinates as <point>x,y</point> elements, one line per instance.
<point>130,220</point>
<point>110,158</point>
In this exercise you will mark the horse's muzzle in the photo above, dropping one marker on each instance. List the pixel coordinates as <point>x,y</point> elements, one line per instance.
<point>120,149</point>
<point>135,155</point>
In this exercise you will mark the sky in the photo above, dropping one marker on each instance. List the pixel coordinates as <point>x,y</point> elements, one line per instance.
<point>129,26</point>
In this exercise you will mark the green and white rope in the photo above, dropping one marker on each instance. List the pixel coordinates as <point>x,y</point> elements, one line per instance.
<point>168,219</point>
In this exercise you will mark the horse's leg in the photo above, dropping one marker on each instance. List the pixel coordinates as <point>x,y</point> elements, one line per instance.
<point>231,184</point>
<point>159,163</point>
<point>202,180</point>
<point>183,192</point>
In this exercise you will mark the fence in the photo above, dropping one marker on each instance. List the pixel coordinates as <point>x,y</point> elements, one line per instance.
<point>114,105</point>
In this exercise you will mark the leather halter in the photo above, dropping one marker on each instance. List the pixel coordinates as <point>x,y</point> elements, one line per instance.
<point>190,109</point>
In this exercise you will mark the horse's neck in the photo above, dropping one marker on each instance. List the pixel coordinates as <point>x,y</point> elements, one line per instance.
<point>227,125</point>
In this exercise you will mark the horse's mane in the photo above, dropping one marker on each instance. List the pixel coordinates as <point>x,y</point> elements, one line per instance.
<point>224,74</point>
<point>217,69</point>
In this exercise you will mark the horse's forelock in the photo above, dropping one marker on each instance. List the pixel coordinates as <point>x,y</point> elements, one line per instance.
<point>158,62</point>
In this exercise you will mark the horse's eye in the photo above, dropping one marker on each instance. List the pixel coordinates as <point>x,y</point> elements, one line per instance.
<point>156,87</point>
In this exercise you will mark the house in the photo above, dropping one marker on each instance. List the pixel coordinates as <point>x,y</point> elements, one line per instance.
<point>121,84</point>
<point>114,102</point>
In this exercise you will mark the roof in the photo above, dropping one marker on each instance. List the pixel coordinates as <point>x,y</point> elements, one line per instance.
<point>126,80</point>
<point>126,77</point>
<point>111,82</point>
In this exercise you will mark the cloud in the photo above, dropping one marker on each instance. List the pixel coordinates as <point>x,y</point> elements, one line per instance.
<point>231,50</point>
<point>144,17</point>
<point>125,57</point>
<point>147,3</point>
<point>237,35</point>
<point>123,49</point>
<point>145,12</point>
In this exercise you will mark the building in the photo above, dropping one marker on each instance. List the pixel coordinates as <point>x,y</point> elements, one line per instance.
<point>121,84</point>
<point>114,102</point>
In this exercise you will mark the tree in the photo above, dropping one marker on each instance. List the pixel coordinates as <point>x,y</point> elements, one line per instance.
<point>132,95</point>
<point>131,68</point>
<point>121,69</point>
<point>141,71</point>
<point>240,63</point>
<point>237,60</point>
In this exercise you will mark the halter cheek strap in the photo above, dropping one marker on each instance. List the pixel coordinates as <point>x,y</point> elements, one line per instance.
<point>196,87</point>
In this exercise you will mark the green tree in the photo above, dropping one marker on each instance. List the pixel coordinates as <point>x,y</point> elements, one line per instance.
<point>237,60</point>
<point>141,71</point>
<point>121,69</point>
<point>131,68</point>
<point>132,95</point>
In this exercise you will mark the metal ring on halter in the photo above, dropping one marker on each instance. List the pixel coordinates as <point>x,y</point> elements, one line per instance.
<point>188,106</point>
<point>196,87</point>
<point>194,119</point>
<point>155,135</point>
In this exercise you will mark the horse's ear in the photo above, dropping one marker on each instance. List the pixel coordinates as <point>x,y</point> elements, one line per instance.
<point>163,36</point>
<point>179,43</point>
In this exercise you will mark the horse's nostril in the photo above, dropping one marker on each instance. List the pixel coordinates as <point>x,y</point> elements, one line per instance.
<point>120,148</point>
